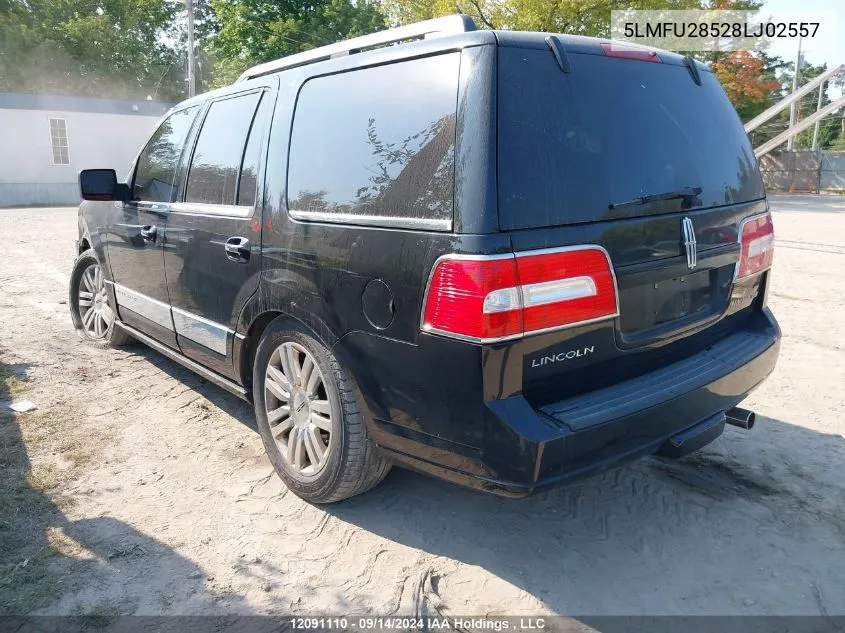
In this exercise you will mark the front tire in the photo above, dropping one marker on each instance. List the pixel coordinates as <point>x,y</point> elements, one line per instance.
<point>92,313</point>
<point>310,424</point>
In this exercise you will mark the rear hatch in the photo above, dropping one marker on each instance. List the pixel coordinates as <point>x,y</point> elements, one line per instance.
<point>642,155</point>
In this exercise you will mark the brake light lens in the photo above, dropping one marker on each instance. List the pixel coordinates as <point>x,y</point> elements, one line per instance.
<point>566,287</point>
<point>631,52</point>
<point>757,238</point>
<point>494,298</point>
<point>458,303</point>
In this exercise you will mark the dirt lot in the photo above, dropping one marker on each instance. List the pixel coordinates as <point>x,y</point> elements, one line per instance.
<point>135,487</point>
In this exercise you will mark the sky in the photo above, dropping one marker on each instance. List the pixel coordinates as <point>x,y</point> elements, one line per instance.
<point>829,46</point>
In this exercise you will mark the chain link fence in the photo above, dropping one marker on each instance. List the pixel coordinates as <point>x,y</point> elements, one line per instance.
<point>832,173</point>
<point>806,171</point>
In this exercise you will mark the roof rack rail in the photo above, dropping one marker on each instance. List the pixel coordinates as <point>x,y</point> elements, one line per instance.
<point>447,25</point>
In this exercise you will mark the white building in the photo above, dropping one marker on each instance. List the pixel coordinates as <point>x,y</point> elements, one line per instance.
<point>46,139</point>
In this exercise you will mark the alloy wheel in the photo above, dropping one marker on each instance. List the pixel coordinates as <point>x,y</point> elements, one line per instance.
<point>95,312</point>
<point>299,412</point>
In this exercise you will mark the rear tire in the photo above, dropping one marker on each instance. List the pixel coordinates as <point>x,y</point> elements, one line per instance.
<point>309,421</point>
<point>90,309</point>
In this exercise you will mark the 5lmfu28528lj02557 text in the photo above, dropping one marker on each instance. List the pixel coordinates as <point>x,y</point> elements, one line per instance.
<point>506,259</point>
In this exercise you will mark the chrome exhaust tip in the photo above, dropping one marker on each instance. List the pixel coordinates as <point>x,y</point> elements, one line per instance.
<point>743,418</point>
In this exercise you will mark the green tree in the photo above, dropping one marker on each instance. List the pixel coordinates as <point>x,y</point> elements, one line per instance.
<point>579,17</point>
<point>750,80</point>
<point>89,47</point>
<point>255,31</point>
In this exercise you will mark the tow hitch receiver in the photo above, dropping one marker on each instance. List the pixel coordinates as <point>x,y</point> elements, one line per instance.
<point>693,438</point>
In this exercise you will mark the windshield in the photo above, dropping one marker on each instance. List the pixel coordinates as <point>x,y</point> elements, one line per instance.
<point>573,146</point>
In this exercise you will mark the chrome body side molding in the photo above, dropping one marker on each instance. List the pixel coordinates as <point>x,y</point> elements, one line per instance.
<point>147,307</point>
<point>210,334</point>
<point>207,333</point>
<point>172,354</point>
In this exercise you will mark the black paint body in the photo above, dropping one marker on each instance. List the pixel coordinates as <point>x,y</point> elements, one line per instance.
<point>499,417</point>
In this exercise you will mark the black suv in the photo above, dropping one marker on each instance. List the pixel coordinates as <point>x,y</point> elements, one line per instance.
<point>505,259</point>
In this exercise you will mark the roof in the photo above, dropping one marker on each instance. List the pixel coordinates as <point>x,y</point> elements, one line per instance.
<point>460,30</point>
<point>443,26</point>
<point>28,101</point>
<point>582,44</point>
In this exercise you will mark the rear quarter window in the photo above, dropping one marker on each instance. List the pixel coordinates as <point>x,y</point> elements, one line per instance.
<point>377,145</point>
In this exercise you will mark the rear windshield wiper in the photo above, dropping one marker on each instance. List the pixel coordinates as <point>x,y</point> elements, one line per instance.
<point>682,194</point>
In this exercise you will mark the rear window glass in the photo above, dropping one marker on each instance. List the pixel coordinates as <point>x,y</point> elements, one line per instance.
<point>611,131</point>
<point>377,145</point>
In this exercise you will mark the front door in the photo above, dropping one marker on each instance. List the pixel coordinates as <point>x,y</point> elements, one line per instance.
<point>212,252</point>
<point>134,241</point>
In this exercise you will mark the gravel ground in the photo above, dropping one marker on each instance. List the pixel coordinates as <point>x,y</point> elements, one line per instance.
<point>150,493</point>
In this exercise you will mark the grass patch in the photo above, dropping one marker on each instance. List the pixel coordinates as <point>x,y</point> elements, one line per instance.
<point>11,385</point>
<point>41,453</point>
<point>98,617</point>
<point>50,432</point>
<point>102,614</point>
<point>26,581</point>
<point>28,584</point>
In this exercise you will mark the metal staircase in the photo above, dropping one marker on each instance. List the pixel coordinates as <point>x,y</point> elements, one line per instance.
<point>786,102</point>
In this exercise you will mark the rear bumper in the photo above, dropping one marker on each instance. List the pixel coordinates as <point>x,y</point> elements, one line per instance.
<point>528,448</point>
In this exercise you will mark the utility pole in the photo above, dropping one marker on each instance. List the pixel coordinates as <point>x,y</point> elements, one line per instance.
<point>793,112</point>
<point>192,84</point>
<point>816,127</point>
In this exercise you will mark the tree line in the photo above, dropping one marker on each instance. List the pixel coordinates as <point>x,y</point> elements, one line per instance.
<point>137,48</point>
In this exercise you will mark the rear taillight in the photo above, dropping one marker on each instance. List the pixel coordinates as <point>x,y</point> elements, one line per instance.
<point>757,239</point>
<point>459,298</point>
<point>499,297</point>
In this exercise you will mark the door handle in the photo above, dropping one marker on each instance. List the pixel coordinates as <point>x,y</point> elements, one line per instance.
<point>149,233</point>
<point>237,249</point>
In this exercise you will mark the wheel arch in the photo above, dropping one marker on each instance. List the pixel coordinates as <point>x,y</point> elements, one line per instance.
<point>88,239</point>
<point>84,235</point>
<point>245,354</point>
<point>95,220</point>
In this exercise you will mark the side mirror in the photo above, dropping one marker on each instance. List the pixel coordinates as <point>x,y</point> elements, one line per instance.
<point>101,184</point>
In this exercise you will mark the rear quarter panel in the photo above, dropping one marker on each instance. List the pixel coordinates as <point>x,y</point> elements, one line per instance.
<point>317,273</point>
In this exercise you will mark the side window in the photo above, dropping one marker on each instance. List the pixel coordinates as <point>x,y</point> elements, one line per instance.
<point>377,145</point>
<point>252,155</point>
<point>155,177</point>
<point>216,163</point>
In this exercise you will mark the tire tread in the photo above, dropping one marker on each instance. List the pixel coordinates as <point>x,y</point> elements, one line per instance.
<point>118,337</point>
<point>361,465</point>
<point>365,468</point>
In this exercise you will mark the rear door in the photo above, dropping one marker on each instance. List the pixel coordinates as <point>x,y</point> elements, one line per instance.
<point>135,240</point>
<point>212,253</point>
<point>639,158</point>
